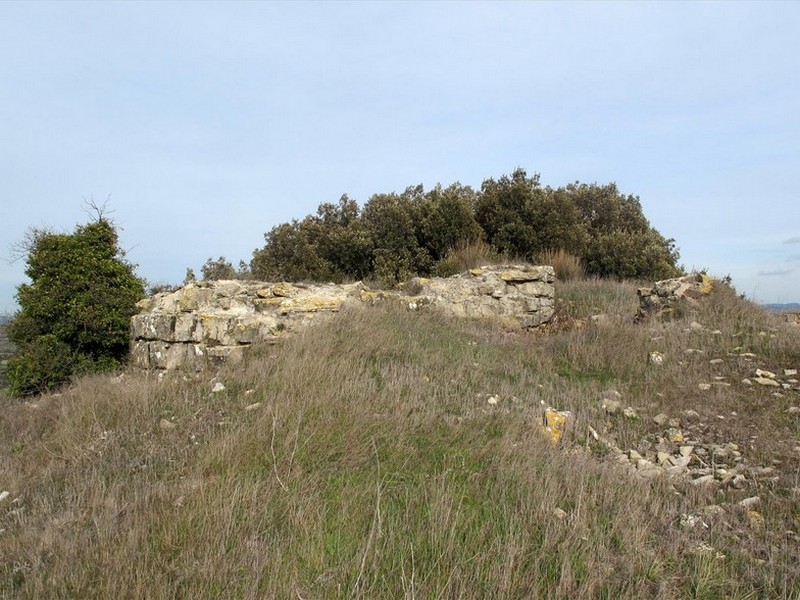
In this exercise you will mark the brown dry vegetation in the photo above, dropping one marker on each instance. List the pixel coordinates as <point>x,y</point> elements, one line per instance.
<point>374,467</point>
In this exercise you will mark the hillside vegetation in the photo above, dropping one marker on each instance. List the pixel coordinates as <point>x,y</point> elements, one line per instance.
<point>395,454</point>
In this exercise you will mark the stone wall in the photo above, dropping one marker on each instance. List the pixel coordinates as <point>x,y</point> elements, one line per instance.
<point>207,323</point>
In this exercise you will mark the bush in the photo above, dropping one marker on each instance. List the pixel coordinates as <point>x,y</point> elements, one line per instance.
<point>214,270</point>
<point>75,314</point>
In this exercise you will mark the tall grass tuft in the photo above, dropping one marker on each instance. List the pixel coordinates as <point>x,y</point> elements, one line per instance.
<point>468,255</point>
<point>567,266</point>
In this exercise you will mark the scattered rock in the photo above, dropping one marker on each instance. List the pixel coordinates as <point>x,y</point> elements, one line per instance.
<point>559,514</point>
<point>612,407</point>
<point>716,361</point>
<point>690,521</point>
<point>492,400</point>
<point>554,422</point>
<point>252,407</point>
<point>661,419</point>
<point>630,413</point>
<point>166,425</point>
<point>767,374</point>
<point>756,518</point>
<point>218,387</point>
<point>655,358</point>
<point>751,502</point>
<point>691,415</point>
<point>704,386</point>
<point>789,372</point>
<point>766,381</point>
<point>4,494</point>
<point>703,480</point>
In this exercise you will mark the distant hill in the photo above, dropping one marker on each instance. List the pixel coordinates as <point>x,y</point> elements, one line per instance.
<point>791,306</point>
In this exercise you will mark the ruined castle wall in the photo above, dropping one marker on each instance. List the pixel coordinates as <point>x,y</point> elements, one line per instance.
<point>207,323</point>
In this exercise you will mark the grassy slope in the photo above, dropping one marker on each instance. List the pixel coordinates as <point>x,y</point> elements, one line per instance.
<point>374,467</point>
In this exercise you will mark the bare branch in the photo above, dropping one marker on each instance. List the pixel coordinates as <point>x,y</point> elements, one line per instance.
<point>97,211</point>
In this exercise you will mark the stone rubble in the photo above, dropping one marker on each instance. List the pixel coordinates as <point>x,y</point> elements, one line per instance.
<point>663,299</point>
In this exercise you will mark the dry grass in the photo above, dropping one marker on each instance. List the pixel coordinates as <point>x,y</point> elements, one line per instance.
<point>567,266</point>
<point>468,255</point>
<point>374,467</point>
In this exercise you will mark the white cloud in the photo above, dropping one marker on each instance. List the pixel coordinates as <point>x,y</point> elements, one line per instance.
<point>793,240</point>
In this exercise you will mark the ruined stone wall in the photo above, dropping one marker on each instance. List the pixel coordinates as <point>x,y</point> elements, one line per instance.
<point>207,323</point>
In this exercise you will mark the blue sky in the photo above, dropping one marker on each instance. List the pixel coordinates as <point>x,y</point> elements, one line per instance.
<point>208,123</point>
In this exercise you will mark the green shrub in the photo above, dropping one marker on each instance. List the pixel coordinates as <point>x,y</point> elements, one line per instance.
<point>221,268</point>
<point>75,314</point>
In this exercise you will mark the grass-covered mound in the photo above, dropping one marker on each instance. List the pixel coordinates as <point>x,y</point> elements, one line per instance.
<point>364,458</point>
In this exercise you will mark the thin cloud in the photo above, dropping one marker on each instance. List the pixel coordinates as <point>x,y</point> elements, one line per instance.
<point>793,258</point>
<point>793,240</point>
<point>776,273</point>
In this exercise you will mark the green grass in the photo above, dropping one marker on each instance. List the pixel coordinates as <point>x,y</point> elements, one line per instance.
<point>375,467</point>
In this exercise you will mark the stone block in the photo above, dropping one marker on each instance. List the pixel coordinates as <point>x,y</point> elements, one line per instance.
<point>537,288</point>
<point>188,328</point>
<point>152,326</point>
<point>140,354</point>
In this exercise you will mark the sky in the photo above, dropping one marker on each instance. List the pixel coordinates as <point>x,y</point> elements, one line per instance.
<point>203,125</point>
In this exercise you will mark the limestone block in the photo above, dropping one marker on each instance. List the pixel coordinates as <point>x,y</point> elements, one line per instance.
<point>246,330</point>
<point>152,326</point>
<point>537,318</point>
<point>140,354</point>
<point>537,288</point>
<point>264,292</point>
<point>284,290</point>
<point>158,354</point>
<point>518,275</point>
<point>195,357</point>
<point>229,288</point>
<point>188,328</point>
<point>309,304</point>
<point>215,328</point>
<point>193,297</point>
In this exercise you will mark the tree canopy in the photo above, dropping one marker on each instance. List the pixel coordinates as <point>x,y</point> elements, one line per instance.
<point>397,235</point>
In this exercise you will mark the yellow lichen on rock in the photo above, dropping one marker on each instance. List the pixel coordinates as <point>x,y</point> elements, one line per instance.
<point>554,422</point>
<point>283,289</point>
<point>370,296</point>
<point>706,284</point>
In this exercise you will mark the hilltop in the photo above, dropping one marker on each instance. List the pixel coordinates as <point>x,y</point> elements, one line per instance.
<point>388,453</point>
